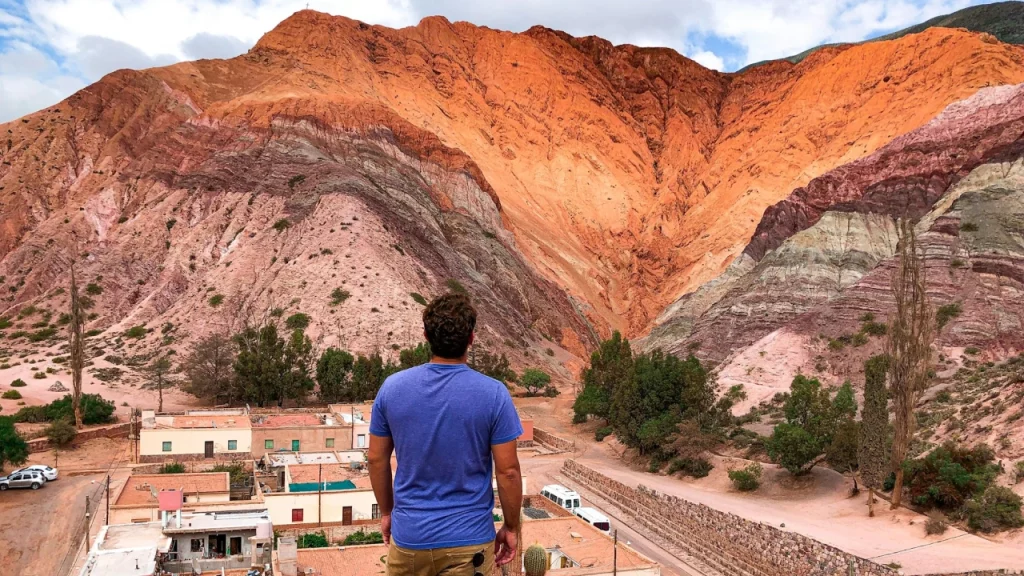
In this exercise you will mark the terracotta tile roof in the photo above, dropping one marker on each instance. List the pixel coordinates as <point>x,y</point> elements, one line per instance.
<point>211,422</point>
<point>576,539</point>
<point>282,420</point>
<point>136,491</point>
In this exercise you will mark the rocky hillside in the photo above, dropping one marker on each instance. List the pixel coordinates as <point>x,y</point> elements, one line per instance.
<point>342,170</point>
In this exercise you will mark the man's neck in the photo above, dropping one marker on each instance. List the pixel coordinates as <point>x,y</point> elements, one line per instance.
<point>440,360</point>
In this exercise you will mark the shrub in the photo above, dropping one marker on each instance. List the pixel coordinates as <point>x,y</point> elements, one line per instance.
<point>956,263</point>
<point>357,538</point>
<point>456,286</point>
<point>695,467</point>
<point>5,323</point>
<point>418,298</point>
<point>339,295</point>
<point>748,478</point>
<point>551,392</point>
<point>282,225</point>
<point>93,289</point>
<point>297,321</point>
<point>549,351</point>
<point>968,227</point>
<point>950,474</point>
<point>998,508</point>
<point>971,351</point>
<point>935,525</point>
<point>171,223</point>
<point>11,395</point>
<point>875,328</point>
<point>859,339</point>
<point>297,179</point>
<point>947,312</point>
<point>95,410</point>
<point>1018,472</point>
<point>237,472</point>
<point>216,300</point>
<point>314,540</point>
<point>135,332</point>
<point>601,433</point>
<point>277,312</point>
<point>172,468</point>
<point>39,375</point>
<point>42,334</point>
<point>19,383</point>
<point>61,432</point>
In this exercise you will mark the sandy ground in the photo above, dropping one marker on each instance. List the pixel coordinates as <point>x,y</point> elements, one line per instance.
<point>41,530</point>
<point>122,392</point>
<point>818,506</point>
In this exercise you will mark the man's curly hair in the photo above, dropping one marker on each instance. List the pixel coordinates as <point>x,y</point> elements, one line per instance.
<point>448,322</point>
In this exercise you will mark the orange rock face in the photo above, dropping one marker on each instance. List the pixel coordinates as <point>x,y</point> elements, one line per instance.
<point>626,175</point>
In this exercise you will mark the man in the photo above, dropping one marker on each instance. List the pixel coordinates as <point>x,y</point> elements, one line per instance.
<point>446,422</point>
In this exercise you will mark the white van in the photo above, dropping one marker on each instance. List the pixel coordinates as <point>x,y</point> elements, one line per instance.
<point>562,496</point>
<point>594,518</point>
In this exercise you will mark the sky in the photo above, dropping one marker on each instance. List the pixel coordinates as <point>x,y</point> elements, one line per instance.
<point>51,48</point>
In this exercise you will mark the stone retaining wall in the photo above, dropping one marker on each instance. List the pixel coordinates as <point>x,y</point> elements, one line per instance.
<point>732,545</point>
<point>551,441</point>
<point>114,431</point>
<point>334,532</point>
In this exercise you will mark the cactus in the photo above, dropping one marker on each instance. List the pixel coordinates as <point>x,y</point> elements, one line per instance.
<point>535,561</point>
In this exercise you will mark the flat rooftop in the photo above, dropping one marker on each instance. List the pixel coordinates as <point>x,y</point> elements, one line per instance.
<point>362,412</point>
<point>138,490</point>
<point>217,521</point>
<point>344,561</point>
<point>131,562</point>
<point>327,473</point>
<point>286,420</point>
<point>292,458</point>
<point>131,536</point>
<point>204,422</point>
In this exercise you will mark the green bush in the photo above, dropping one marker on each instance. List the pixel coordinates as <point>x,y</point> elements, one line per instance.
<point>972,351</point>
<point>39,375</point>
<point>418,298</point>
<point>93,289</point>
<point>875,328</point>
<point>357,538</point>
<point>282,225</point>
<point>949,475</point>
<point>172,468</point>
<point>601,433</point>
<point>171,223</point>
<point>61,432</point>
<point>42,334</point>
<point>1018,472</point>
<point>18,383</point>
<point>456,286</point>
<point>695,467</point>
<point>998,508</point>
<point>947,312</point>
<point>968,227</point>
<point>314,540</point>
<point>297,179</point>
<point>95,410</point>
<point>339,295</point>
<point>12,395</point>
<point>135,332</point>
<point>297,321</point>
<point>935,525</point>
<point>216,300</point>
<point>748,478</point>
<point>236,470</point>
<point>859,339</point>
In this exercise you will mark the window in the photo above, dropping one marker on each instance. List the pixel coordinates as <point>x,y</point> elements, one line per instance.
<point>232,444</point>
<point>295,445</point>
<point>329,443</point>
<point>197,545</point>
<point>167,447</point>
<point>375,512</point>
<point>268,444</point>
<point>361,441</point>
<point>296,514</point>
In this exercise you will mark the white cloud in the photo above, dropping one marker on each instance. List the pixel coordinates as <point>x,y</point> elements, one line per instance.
<point>49,47</point>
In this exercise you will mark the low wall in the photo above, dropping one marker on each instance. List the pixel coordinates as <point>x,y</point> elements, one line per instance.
<point>219,457</point>
<point>551,441</point>
<point>112,431</point>
<point>732,545</point>
<point>334,532</point>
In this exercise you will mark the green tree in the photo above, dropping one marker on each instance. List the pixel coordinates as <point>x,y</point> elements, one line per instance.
<point>534,381</point>
<point>794,448</point>
<point>494,365</point>
<point>13,448</point>
<point>610,366</point>
<point>873,460</point>
<point>61,432</point>
<point>812,418</point>
<point>208,369</point>
<point>157,373</point>
<point>333,374</point>
<point>269,368</point>
<point>368,373</point>
<point>409,357</point>
<point>842,453</point>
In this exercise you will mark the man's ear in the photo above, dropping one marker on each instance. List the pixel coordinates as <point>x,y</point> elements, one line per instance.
<point>424,334</point>
<point>472,336</point>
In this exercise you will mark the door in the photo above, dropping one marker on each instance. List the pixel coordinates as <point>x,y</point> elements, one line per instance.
<point>15,481</point>
<point>209,449</point>
<point>236,545</point>
<point>346,516</point>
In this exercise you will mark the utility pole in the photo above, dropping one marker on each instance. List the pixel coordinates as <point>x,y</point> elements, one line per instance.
<point>319,494</point>
<point>615,552</point>
<point>87,546</point>
<point>108,500</point>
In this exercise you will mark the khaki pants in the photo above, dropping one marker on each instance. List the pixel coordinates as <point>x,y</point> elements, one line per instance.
<point>440,561</point>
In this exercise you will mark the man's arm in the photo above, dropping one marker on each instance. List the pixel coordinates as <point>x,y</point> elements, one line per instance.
<point>379,457</point>
<point>510,494</point>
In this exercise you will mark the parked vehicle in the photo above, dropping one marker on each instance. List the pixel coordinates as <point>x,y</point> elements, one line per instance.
<point>49,474</point>
<point>594,518</point>
<point>561,495</point>
<point>28,479</point>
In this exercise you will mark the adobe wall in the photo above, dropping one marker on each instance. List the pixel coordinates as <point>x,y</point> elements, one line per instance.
<point>732,545</point>
<point>218,457</point>
<point>550,440</point>
<point>114,431</point>
<point>311,438</point>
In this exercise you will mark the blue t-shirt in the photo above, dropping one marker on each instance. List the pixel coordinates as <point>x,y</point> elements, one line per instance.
<point>443,419</point>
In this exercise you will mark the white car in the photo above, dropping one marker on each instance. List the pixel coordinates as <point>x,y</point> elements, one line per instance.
<point>48,473</point>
